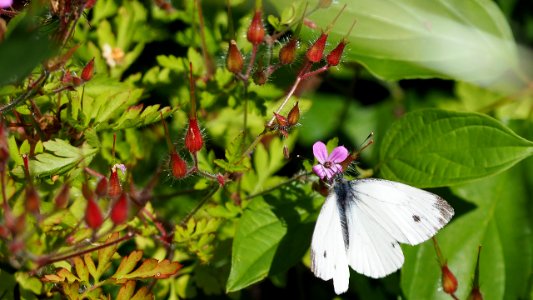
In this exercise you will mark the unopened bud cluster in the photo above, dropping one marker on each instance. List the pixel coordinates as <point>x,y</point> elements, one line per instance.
<point>109,188</point>
<point>284,124</point>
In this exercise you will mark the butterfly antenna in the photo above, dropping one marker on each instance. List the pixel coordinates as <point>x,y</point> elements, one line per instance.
<point>367,142</point>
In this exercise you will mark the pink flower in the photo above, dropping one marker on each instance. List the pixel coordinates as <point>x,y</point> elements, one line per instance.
<point>6,3</point>
<point>328,166</point>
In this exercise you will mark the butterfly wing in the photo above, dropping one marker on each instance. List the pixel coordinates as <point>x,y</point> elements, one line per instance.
<point>381,213</point>
<point>328,249</point>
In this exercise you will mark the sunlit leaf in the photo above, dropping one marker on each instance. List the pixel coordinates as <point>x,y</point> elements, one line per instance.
<point>430,148</point>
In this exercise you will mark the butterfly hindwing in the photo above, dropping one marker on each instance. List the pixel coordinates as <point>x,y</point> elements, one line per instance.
<point>328,249</point>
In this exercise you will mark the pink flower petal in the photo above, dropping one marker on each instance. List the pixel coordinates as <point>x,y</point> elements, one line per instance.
<point>320,152</point>
<point>338,155</point>
<point>320,171</point>
<point>330,173</point>
<point>337,168</point>
<point>6,3</point>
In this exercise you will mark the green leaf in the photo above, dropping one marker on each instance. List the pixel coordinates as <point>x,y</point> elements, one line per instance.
<point>430,148</point>
<point>149,268</point>
<point>467,40</point>
<point>105,255</point>
<point>126,291</point>
<point>500,223</point>
<point>81,270</point>
<point>128,263</point>
<point>234,162</point>
<point>26,45</point>
<point>7,288</point>
<point>28,282</point>
<point>256,239</point>
<point>59,157</point>
<point>270,238</point>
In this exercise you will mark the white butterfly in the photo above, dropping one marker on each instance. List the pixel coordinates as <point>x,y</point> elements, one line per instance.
<point>362,222</point>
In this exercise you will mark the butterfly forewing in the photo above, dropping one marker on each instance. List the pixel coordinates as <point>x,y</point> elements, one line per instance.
<point>409,215</point>
<point>328,249</point>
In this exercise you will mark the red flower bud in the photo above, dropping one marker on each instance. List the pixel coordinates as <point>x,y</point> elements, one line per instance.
<point>177,165</point>
<point>89,4</point>
<point>101,187</point>
<point>449,282</point>
<point>475,294</point>
<point>61,200</point>
<point>294,115</point>
<point>33,200</point>
<point>260,77</point>
<point>221,180</point>
<point>256,31</point>
<point>193,138</point>
<point>114,185</point>
<point>281,120</point>
<point>287,53</point>
<point>88,71</point>
<point>315,52</point>
<point>4,232</point>
<point>119,212</point>
<point>234,60</point>
<point>334,57</point>
<point>93,214</point>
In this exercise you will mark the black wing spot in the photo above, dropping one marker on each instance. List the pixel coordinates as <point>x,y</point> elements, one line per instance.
<point>393,245</point>
<point>416,218</point>
<point>325,254</point>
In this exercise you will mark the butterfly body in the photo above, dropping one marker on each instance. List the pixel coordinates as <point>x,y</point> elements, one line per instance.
<point>362,223</point>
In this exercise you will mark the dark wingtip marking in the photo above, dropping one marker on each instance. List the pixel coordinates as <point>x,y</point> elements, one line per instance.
<point>325,254</point>
<point>393,245</point>
<point>416,218</point>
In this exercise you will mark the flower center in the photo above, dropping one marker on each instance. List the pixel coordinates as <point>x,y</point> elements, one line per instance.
<point>327,164</point>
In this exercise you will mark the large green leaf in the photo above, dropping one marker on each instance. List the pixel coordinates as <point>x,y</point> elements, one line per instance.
<point>395,39</point>
<point>257,237</point>
<point>500,223</point>
<point>270,238</point>
<point>27,44</point>
<point>430,148</point>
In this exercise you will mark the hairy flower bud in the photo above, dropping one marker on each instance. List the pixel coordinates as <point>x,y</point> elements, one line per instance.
<point>287,53</point>
<point>281,120</point>
<point>234,60</point>
<point>449,282</point>
<point>119,212</point>
<point>93,214</point>
<point>177,165</point>
<point>256,31</point>
<point>294,115</point>
<point>475,294</point>
<point>102,187</point>
<point>88,71</point>
<point>193,138</point>
<point>90,3</point>
<point>334,57</point>
<point>33,200</point>
<point>315,52</point>
<point>260,77</point>
<point>61,200</point>
<point>221,180</point>
<point>114,184</point>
